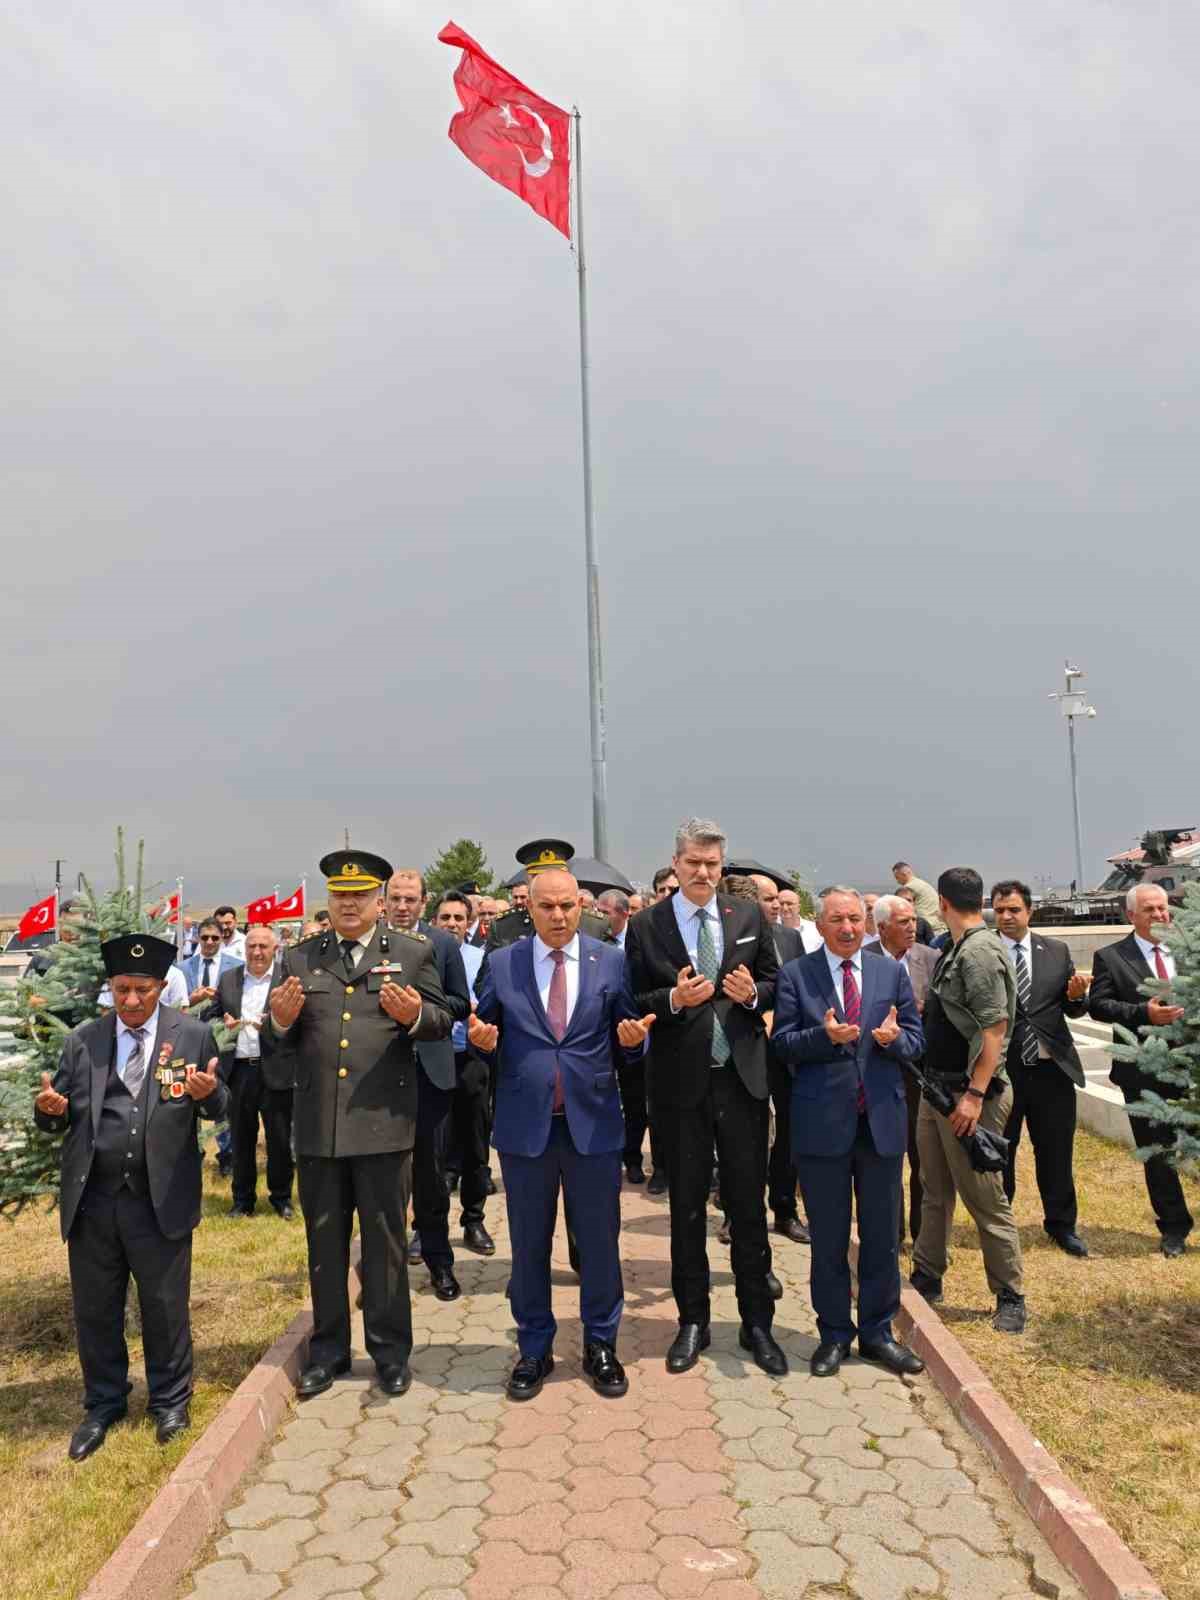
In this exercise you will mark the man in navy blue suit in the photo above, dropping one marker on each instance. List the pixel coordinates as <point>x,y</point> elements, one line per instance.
<point>553,1004</point>
<point>844,1020</point>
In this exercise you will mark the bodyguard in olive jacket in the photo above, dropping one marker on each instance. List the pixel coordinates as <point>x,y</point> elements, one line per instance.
<point>347,1009</point>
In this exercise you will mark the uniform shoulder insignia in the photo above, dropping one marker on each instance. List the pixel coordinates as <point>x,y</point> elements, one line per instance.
<point>310,939</point>
<point>412,933</point>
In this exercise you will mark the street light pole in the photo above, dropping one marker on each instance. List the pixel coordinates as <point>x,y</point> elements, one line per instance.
<point>1073,703</point>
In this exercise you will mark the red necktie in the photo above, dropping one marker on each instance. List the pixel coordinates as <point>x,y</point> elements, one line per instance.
<point>1160,966</point>
<point>556,1015</point>
<point>852,1010</point>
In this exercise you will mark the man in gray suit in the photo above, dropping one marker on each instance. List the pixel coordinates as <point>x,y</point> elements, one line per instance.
<point>896,922</point>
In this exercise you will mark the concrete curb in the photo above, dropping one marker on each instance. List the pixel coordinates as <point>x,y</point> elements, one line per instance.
<point>1097,1558</point>
<point>159,1549</point>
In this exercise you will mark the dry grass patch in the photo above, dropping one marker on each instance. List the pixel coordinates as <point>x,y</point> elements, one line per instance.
<point>1108,1373</point>
<point>62,1521</point>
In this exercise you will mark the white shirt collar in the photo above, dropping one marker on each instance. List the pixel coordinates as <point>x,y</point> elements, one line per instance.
<point>250,978</point>
<point>1025,944</point>
<point>1147,947</point>
<point>835,961</point>
<point>543,952</point>
<point>149,1027</point>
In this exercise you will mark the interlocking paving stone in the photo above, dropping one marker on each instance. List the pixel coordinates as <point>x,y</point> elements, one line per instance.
<point>717,1484</point>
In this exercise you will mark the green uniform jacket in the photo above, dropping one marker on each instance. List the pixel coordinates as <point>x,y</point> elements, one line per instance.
<point>977,987</point>
<point>352,1067</point>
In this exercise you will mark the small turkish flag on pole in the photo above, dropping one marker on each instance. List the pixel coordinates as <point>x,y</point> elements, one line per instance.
<point>512,134</point>
<point>41,918</point>
<point>293,906</point>
<point>261,910</point>
<point>171,909</point>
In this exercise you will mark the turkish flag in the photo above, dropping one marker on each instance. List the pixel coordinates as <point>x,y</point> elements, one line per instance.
<point>261,910</point>
<point>171,909</point>
<point>516,137</point>
<point>41,918</point>
<point>284,910</point>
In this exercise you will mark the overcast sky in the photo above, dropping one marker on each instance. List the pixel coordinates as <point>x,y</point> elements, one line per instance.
<point>894,323</point>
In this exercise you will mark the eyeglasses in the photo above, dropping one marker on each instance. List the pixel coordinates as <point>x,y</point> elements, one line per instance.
<point>210,938</point>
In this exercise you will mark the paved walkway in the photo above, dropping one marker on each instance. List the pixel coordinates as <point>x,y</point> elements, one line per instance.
<point>721,1483</point>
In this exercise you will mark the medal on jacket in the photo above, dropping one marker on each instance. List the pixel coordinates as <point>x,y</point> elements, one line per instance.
<point>170,1079</point>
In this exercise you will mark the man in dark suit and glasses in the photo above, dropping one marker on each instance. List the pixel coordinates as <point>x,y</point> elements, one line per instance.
<point>845,1019</point>
<point>705,966</point>
<point>1118,971</point>
<point>1042,1062</point>
<point>242,1002</point>
<point>127,1094</point>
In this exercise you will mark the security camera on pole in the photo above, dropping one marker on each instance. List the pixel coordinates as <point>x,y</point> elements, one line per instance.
<point>1073,703</point>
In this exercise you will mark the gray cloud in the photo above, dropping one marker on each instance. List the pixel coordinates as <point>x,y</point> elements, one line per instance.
<point>894,327</point>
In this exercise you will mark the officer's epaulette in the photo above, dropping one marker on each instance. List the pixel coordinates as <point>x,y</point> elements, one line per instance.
<point>411,933</point>
<point>300,943</point>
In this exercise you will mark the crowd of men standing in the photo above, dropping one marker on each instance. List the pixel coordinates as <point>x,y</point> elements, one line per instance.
<point>389,1050</point>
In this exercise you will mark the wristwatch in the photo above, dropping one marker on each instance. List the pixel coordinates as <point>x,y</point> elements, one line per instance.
<point>976,1094</point>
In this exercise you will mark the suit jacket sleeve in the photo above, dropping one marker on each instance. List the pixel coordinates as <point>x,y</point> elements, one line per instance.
<point>643,997</point>
<point>795,1040</point>
<point>911,1042</point>
<point>454,983</point>
<point>1103,1002</point>
<point>64,1082</point>
<point>434,1020</point>
<point>1072,1008</point>
<point>487,1003</point>
<point>765,970</point>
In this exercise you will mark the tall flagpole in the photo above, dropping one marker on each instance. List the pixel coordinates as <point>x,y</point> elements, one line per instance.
<point>179,918</point>
<point>595,655</point>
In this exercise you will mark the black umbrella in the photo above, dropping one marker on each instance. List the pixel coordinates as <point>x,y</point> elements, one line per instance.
<point>597,875</point>
<point>518,877</point>
<point>743,866</point>
<point>987,1151</point>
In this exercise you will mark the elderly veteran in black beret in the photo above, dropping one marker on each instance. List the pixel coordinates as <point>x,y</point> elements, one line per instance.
<point>344,1017</point>
<point>127,1094</point>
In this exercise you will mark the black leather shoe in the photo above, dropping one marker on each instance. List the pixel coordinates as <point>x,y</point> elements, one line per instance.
<point>526,1378</point>
<point>607,1374</point>
<point>765,1351</point>
<point>171,1423</point>
<point>827,1358</point>
<point>687,1345</point>
<point>1010,1312</point>
<point>241,1211</point>
<point>489,1183</point>
<point>89,1436</point>
<point>1173,1245</point>
<point>316,1379</point>
<point>283,1209</point>
<point>657,1183</point>
<point>927,1286</point>
<point>394,1379</point>
<point>635,1174</point>
<point>445,1285</point>
<point>724,1232</point>
<point>895,1357</point>
<point>414,1248</point>
<point>1070,1243</point>
<point>792,1228</point>
<point>477,1238</point>
<point>775,1286</point>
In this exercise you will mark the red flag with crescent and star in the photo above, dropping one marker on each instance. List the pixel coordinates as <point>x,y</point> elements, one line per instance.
<point>512,134</point>
<point>261,910</point>
<point>285,910</point>
<point>41,918</point>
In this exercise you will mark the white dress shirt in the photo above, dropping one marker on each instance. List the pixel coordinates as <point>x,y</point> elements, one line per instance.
<point>688,919</point>
<point>1146,946</point>
<point>254,1006</point>
<point>125,1044</point>
<point>810,936</point>
<point>1011,947</point>
<point>835,972</point>
<point>543,971</point>
<point>235,947</point>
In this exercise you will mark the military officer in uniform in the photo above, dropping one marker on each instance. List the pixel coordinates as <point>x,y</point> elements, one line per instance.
<point>127,1094</point>
<point>348,1008</point>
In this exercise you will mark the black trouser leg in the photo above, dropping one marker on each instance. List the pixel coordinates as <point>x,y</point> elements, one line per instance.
<point>912,1095</point>
<point>1019,1078</point>
<point>327,1198</point>
<point>1050,1118</point>
<point>687,1134</point>
<point>781,1171</point>
<point>431,1203</point>
<point>741,1124</point>
<point>381,1192</point>
<point>632,1078</point>
<point>99,1281</point>
<point>658,1145</point>
<point>162,1270</point>
<point>471,1126</point>
<point>1162,1180</point>
<point>245,1090</point>
<point>277,1127</point>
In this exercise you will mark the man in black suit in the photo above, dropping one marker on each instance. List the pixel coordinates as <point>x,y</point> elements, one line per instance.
<point>436,1080</point>
<point>242,1002</point>
<point>1042,1062</point>
<point>781,1169</point>
<point>128,1091</point>
<point>705,966</point>
<point>1118,971</point>
<point>348,1008</point>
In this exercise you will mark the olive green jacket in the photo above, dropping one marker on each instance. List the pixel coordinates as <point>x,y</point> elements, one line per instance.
<point>977,988</point>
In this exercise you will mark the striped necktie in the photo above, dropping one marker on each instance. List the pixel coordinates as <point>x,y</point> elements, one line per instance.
<point>1027,1045</point>
<point>706,960</point>
<point>135,1064</point>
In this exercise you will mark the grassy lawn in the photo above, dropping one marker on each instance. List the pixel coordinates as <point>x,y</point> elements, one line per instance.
<point>62,1521</point>
<point>1108,1374</point>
